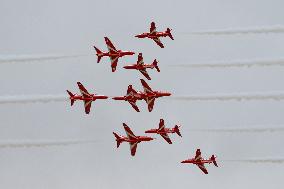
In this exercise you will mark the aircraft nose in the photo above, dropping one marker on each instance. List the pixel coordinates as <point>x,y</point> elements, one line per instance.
<point>183,161</point>
<point>147,131</point>
<point>168,94</point>
<point>126,67</point>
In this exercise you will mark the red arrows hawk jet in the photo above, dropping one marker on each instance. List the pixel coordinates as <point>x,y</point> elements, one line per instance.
<point>149,95</point>
<point>155,35</point>
<point>131,139</point>
<point>199,161</point>
<point>86,97</point>
<point>112,53</point>
<point>140,66</point>
<point>130,97</point>
<point>164,131</point>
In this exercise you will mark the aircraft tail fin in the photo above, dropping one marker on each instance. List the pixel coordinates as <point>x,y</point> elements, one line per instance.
<point>71,97</point>
<point>118,139</point>
<point>176,128</point>
<point>99,54</point>
<point>213,158</point>
<point>155,63</point>
<point>168,31</point>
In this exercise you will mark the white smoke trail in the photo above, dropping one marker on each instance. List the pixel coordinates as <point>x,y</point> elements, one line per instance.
<point>272,160</point>
<point>28,144</point>
<point>241,130</point>
<point>33,58</point>
<point>255,30</point>
<point>236,97</point>
<point>21,99</point>
<point>236,63</point>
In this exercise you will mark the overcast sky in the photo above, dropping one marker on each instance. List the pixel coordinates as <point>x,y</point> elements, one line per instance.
<point>72,27</point>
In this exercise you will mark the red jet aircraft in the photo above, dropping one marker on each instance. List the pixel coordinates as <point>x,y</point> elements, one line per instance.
<point>131,139</point>
<point>155,35</point>
<point>148,95</point>
<point>86,97</point>
<point>140,66</point>
<point>113,54</point>
<point>199,161</point>
<point>164,131</point>
<point>129,97</point>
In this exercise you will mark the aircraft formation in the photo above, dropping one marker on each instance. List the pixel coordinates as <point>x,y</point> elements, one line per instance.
<point>132,96</point>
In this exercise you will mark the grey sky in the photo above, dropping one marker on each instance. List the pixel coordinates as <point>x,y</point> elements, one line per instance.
<point>69,27</point>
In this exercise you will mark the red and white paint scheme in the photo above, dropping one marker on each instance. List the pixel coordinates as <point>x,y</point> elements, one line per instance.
<point>148,95</point>
<point>85,96</point>
<point>164,131</point>
<point>153,34</point>
<point>112,53</point>
<point>132,139</point>
<point>199,161</point>
<point>130,97</point>
<point>140,66</point>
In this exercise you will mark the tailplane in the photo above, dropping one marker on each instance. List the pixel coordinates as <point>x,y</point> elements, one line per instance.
<point>99,54</point>
<point>71,97</point>
<point>168,31</point>
<point>118,139</point>
<point>213,158</point>
<point>155,64</point>
<point>176,128</point>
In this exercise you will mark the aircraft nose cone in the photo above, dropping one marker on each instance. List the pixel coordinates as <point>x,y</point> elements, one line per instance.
<point>182,161</point>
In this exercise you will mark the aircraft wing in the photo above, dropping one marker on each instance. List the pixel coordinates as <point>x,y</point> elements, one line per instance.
<point>110,46</point>
<point>114,60</point>
<point>83,90</point>
<point>140,60</point>
<point>146,87</point>
<point>166,137</point>
<point>133,147</point>
<point>150,101</point>
<point>158,41</point>
<point>128,131</point>
<point>153,28</point>
<point>134,106</point>
<point>202,167</point>
<point>145,73</point>
<point>88,104</point>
